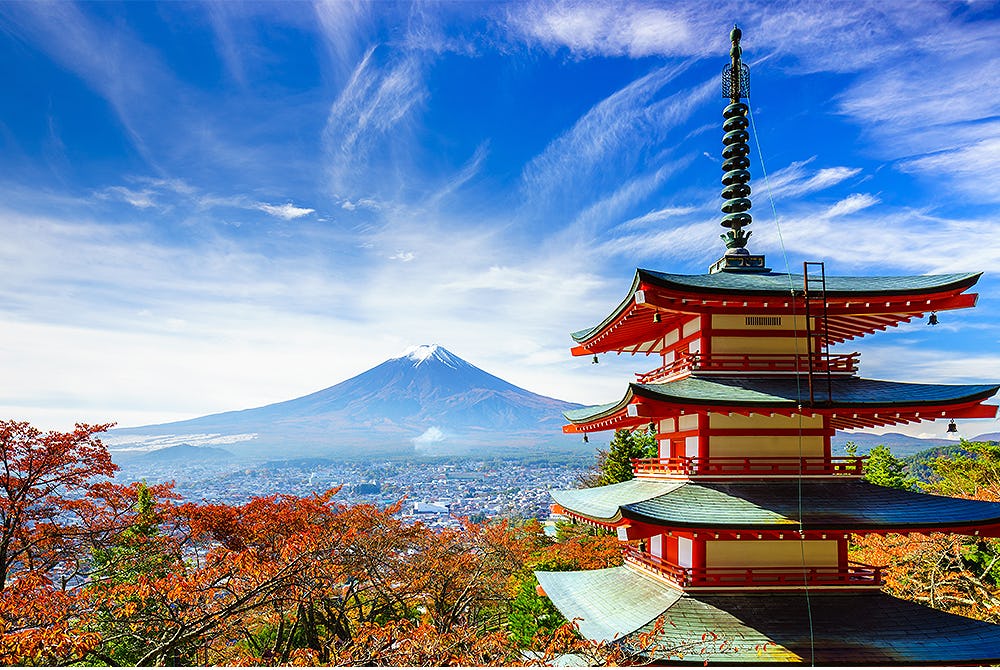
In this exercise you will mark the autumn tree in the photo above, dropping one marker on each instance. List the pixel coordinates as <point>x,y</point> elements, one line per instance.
<point>44,478</point>
<point>956,573</point>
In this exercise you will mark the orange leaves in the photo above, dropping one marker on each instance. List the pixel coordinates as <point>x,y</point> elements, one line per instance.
<point>38,626</point>
<point>128,575</point>
<point>938,570</point>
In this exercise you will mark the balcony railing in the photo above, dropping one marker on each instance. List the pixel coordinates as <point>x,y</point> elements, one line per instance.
<point>778,577</point>
<point>754,363</point>
<point>748,466</point>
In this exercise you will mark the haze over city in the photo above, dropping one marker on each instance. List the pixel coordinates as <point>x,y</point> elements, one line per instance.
<point>209,207</point>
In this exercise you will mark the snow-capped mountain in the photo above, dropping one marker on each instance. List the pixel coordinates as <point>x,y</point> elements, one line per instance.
<point>426,399</point>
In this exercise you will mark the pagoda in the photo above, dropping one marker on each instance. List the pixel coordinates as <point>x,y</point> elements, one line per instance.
<point>739,530</point>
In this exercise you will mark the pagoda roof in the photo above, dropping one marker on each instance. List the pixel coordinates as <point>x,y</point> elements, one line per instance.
<point>856,305</point>
<point>768,505</point>
<point>894,402</point>
<point>781,283</point>
<point>860,628</point>
<point>604,503</point>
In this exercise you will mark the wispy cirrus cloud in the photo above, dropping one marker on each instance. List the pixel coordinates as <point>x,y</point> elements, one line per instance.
<point>585,162</point>
<point>796,180</point>
<point>609,28</point>
<point>851,204</point>
<point>966,168</point>
<point>367,123</point>
<point>288,211</point>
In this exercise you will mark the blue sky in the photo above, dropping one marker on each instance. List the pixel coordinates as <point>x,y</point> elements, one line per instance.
<point>208,207</point>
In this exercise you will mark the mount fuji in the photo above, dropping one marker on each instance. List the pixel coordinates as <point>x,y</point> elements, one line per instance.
<point>427,400</point>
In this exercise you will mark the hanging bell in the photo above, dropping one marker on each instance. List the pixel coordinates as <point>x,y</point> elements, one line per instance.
<point>952,428</point>
<point>585,438</point>
<point>595,361</point>
<point>932,320</point>
<point>652,426</point>
<point>657,318</point>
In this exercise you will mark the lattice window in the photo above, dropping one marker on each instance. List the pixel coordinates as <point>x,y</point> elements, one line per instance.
<point>763,320</point>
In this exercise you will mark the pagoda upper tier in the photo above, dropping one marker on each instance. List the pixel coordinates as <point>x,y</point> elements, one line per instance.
<point>659,304</point>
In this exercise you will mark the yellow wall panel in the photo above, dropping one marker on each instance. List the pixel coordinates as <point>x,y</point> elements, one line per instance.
<point>765,445</point>
<point>692,326</point>
<point>759,345</point>
<point>687,422</point>
<point>778,553</point>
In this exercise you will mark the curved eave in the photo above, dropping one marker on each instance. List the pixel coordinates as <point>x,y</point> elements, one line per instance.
<point>812,505</point>
<point>860,306</point>
<point>844,629</point>
<point>603,504</point>
<point>856,402</point>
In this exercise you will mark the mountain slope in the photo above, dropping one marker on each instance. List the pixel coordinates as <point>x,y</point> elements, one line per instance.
<point>427,399</point>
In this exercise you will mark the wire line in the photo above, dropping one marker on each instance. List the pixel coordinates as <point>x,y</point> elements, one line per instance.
<point>798,371</point>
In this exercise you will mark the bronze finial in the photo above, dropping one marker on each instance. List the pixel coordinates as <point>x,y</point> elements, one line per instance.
<point>736,177</point>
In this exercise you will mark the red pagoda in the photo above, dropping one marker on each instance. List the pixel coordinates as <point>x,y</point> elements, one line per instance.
<point>740,528</point>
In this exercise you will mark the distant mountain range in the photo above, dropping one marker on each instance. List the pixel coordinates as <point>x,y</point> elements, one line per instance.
<point>427,400</point>
<point>901,445</point>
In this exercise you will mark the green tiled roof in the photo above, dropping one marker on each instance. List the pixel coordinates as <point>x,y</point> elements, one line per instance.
<point>779,283</point>
<point>583,413</point>
<point>861,628</point>
<point>766,505</point>
<point>848,392</point>
<point>612,602</point>
<point>603,502</point>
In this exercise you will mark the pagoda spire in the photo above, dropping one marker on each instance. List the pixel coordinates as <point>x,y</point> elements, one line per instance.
<point>736,176</point>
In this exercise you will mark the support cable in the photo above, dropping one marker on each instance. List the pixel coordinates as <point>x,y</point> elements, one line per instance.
<point>798,375</point>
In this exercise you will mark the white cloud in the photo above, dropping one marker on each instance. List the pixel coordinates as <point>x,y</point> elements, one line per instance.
<point>795,180</point>
<point>288,211</point>
<point>432,435</point>
<point>587,161</point>
<point>141,199</point>
<point>851,204</point>
<point>656,217</point>
<point>368,119</point>
<point>968,168</point>
<point>366,203</point>
<point>613,29</point>
<point>404,256</point>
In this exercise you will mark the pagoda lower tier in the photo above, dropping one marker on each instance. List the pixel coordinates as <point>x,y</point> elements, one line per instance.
<point>617,605</point>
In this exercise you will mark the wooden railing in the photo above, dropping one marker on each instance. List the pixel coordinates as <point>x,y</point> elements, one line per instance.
<point>749,466</point>
<point>741,363</point>
<point>854,574</point>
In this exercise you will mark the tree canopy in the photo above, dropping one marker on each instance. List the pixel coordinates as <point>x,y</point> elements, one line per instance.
<point>615,463</point>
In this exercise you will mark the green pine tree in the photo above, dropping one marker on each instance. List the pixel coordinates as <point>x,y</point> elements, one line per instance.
<point>615,464</point>
<point>884,469</point>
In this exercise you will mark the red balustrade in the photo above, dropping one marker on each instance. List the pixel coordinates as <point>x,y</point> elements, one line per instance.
<point>749,466</point>
<point>742,363</point>
<point>854,574</point>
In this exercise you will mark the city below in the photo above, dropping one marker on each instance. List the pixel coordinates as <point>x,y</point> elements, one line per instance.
<point>440,492</point>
